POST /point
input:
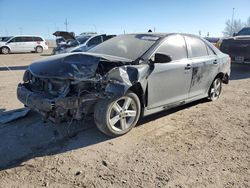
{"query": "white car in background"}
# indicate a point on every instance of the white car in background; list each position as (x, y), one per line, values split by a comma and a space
(23, 43)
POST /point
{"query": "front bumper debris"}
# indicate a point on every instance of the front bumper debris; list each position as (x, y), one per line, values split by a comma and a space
(56, 109)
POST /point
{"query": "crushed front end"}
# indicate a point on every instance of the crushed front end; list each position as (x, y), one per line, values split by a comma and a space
(65, 87)
(59, 100)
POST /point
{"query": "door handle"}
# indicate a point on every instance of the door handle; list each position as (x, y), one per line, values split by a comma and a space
(215, 62)
(188, 66)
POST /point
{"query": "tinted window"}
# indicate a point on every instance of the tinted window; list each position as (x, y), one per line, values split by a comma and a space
(95, 41)
(245, 31)
(18, 39)
(83, 39)
(198, 47)
(27, 39)
(37, 39)
(174, 46)
(106, 37)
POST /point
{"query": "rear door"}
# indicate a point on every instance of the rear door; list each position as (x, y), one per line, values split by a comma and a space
(28, 44)
(204, 66)
(170, 82)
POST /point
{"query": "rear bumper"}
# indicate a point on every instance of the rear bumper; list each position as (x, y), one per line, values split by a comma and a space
(236, 50)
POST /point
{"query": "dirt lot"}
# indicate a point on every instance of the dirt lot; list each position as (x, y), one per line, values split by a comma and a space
(204, 144)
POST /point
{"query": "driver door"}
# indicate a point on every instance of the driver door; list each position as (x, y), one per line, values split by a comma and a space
(169, 82)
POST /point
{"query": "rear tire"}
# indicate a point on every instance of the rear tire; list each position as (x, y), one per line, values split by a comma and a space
(115, 117)
(39, 49)
(5, 50)
(215, 89)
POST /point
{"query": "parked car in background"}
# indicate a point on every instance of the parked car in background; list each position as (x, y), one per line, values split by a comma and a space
(238, 46)
(23, 43)
(124, 78)
(212, 40)
(63, 37)
(91, 42)
(81, 43)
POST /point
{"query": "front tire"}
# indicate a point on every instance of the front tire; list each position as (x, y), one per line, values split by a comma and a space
(5, 50)
(215, 89)
(39, 49)
(116, 117)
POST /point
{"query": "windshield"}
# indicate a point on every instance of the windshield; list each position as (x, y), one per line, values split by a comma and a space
(5, 39)
(126, 46)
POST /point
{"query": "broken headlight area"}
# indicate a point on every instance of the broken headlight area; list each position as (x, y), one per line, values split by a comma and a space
(60, 100)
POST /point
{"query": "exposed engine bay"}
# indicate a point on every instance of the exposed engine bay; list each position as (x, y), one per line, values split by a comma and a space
(67, 87)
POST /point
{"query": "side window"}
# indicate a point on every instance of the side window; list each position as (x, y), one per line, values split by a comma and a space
(174, 46)
(37, 39)
(19, 39)
(198, 47)
(95, 41)
(27, 39)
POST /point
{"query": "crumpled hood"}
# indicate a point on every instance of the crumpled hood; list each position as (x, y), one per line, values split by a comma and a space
(76, 66)
(66, 66)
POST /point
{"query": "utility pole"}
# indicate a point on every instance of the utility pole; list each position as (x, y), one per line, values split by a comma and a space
(66, 24)
(20, 30)
(232, 23)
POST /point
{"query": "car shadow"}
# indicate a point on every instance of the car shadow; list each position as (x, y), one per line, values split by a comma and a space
(240, 71)
(30, 137)
(46, 54)
(13, 68)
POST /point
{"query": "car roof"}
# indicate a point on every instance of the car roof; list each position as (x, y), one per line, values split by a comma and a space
(27, 36)
(161, 35)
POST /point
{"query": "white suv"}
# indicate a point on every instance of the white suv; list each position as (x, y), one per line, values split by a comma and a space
(23, 44)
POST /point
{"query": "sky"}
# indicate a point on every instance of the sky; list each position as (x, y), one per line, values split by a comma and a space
(43, 17)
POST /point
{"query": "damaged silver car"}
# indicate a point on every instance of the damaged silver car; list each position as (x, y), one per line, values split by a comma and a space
(124, 78)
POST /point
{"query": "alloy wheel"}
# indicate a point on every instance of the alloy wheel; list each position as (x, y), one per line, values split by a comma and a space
(122, 113)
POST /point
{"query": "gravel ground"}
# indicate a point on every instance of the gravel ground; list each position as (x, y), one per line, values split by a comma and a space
(203, 144)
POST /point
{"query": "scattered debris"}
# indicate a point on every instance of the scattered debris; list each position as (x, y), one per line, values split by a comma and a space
(78, 173)
(104, 163)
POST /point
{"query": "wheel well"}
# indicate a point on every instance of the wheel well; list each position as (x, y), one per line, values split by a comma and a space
(39, 46)
(223, 77)
(5, 47)
(220, 75)
(137, 89)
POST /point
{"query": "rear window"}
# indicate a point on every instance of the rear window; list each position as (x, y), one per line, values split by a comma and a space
(245, 31)
(198, 47)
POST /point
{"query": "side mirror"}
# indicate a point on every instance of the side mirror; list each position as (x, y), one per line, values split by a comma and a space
(234, 34)
(162, 58)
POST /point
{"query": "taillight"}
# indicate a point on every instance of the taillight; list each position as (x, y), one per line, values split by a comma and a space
(46, 43)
